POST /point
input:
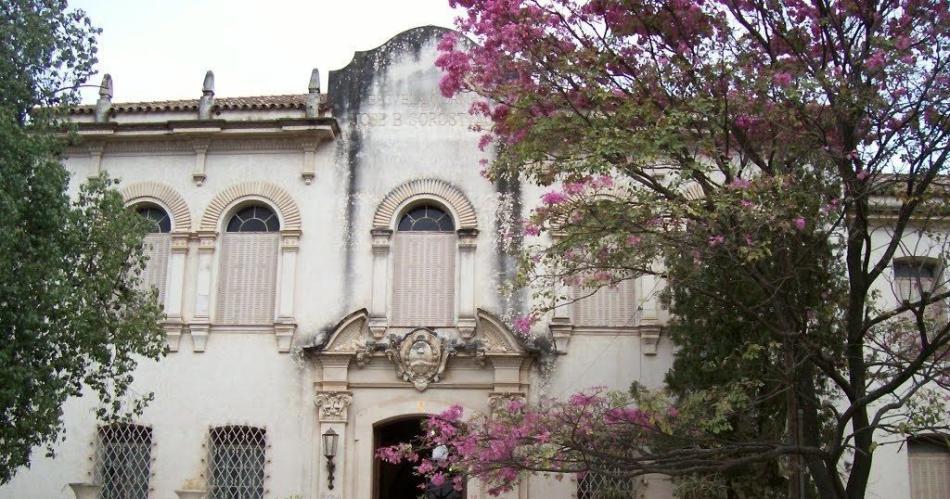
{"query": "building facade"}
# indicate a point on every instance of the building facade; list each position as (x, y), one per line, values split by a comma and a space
(330, 262)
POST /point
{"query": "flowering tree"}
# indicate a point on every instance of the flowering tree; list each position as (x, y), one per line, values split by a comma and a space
(769, 160)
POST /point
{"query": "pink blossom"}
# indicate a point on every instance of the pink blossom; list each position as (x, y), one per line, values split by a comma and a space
(554, 197)
(740, 183)
(746, 203)
(573, 188)
(602, 182)
(716, 240)
(453, 413)
(484, 141)
(876, 61)
(531, 229)
(523, 323)
(582, 399)
(633, 240)
(438, 479)
(782, 79)
(799, 223)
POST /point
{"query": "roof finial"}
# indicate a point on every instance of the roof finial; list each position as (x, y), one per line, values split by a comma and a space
(313, 97)
(104, 104)
(207, 97)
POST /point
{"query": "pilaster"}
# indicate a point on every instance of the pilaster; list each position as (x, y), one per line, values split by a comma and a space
(382, 240)
(466, 293)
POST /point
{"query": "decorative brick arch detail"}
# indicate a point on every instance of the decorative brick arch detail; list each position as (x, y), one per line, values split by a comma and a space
(286, 206)
(146, 191)
(426, 187)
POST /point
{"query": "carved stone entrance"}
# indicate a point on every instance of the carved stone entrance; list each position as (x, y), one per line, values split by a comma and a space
(395, 481)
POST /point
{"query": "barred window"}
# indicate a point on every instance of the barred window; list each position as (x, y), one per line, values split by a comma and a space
(424, 250)
(236, 462)
(596, 485)
(123, 461)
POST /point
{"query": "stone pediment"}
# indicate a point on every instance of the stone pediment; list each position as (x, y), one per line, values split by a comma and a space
(352, 337)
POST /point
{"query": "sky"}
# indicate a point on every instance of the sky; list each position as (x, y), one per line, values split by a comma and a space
(160, 49)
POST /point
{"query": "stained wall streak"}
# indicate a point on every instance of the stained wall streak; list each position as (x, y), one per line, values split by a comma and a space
(509, 190)
(348, 89)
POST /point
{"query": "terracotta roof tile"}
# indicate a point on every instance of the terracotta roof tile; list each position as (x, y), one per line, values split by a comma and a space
(293, 101)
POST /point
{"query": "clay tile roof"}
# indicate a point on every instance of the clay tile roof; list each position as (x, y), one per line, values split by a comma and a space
(294, 101)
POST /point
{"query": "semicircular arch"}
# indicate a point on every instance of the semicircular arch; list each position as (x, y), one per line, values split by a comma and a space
(431, 188)
(287, 208)
(154, 191)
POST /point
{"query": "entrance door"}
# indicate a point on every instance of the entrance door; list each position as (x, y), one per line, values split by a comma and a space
(396, 481)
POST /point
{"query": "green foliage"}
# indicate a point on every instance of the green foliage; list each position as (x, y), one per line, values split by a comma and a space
(73, 313)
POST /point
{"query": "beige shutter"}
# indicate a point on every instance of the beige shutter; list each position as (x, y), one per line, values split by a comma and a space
(929, 471)
(608, 307)
(157, 247)
(248, 277)
(423, 279)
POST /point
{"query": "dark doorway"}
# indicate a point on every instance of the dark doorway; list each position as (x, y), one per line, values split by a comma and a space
(397, 481)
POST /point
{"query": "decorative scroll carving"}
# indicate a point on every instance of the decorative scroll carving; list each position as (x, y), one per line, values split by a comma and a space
(333, 405)
(419, 357)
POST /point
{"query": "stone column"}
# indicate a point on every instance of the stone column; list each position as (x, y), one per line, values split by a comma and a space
(332, 411)
(174, 287)
(377, 311)
(466, 292)
(286, 323)
(204, 284)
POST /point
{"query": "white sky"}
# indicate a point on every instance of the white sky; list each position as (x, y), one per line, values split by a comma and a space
(160, 49)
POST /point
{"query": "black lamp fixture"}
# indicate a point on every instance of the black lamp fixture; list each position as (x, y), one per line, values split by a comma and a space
(330, 440)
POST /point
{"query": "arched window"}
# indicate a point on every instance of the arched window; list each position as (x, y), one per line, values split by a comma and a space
(426, 218)
(424, 249)
(123, 461)
(157, 247)
(254, 219)
(248, 269)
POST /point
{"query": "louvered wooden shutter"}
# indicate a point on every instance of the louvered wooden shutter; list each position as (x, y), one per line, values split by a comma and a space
(929, 471)
(423, 279)
(248, 277)
(157, 247)
(608, 307)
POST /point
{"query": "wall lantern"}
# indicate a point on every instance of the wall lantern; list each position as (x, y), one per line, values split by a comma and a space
(330, 440)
